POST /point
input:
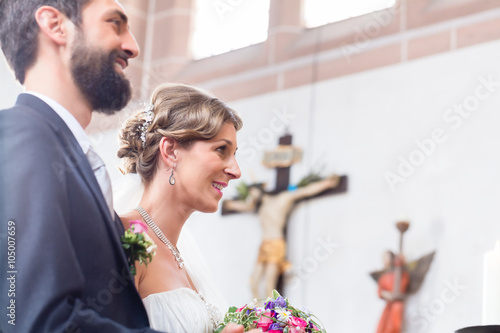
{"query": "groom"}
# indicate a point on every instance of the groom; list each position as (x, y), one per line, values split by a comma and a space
(62, 264)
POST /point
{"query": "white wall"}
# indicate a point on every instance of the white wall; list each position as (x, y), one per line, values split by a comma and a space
(360, 126)
(9, 88)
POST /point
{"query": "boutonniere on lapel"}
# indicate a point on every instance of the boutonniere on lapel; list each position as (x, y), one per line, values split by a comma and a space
(138, 245)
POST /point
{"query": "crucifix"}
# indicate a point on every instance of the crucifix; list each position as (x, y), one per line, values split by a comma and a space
(273, 209)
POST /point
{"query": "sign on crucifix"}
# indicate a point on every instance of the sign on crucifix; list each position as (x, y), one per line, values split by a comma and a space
(273, 209)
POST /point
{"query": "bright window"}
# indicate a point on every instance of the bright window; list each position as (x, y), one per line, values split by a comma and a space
(320, 12)
(225, 25)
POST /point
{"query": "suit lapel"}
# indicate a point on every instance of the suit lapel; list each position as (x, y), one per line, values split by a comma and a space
(76, 160)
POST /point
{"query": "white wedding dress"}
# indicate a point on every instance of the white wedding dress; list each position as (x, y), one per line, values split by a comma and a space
(180, 310)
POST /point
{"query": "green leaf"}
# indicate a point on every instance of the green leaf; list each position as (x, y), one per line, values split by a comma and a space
(242, 190)
(276, 294)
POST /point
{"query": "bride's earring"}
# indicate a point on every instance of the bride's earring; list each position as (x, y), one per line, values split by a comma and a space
(171, 180)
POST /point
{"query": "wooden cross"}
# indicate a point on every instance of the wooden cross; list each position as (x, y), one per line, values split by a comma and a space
(277, 205)
(283, 164)
(283, 172)
(283, 182)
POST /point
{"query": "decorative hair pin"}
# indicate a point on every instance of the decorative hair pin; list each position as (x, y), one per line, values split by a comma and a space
(148, 119)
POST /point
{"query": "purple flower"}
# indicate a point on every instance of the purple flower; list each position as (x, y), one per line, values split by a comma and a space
(276, 327)
(270, 305)
(280, 302)
(249, 311)
(310, 327)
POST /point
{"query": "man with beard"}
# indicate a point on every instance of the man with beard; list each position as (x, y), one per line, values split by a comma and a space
(63, 266)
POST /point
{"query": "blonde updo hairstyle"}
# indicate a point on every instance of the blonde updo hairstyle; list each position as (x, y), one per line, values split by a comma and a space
(181, 112)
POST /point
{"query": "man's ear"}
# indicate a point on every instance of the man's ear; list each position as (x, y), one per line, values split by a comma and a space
(53, 24)
(169, 151)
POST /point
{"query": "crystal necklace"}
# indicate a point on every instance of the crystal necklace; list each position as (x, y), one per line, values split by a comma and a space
(149, 221)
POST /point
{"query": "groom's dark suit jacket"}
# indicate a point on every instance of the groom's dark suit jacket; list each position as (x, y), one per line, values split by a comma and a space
(63, 268)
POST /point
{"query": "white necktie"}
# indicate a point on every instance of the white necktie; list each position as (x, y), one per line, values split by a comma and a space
(103, 179)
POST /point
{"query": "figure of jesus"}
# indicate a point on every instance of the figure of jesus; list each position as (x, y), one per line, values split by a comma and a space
(273, 211)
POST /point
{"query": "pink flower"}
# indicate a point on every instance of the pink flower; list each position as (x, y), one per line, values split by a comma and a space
(298, 325)
(274, 331)
(139, 226)
(299, 322)
(265, 321)
(241, 309)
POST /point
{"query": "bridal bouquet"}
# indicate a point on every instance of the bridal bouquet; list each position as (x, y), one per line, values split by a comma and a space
(138, 245)
(277, 316)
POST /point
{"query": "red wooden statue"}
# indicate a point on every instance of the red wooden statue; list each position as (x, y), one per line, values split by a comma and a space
(396, 281)
(392, 317)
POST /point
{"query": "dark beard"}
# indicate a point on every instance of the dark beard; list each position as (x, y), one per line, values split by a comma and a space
(94, 73)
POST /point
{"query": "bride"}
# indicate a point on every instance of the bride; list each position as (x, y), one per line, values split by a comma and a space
(183, 148)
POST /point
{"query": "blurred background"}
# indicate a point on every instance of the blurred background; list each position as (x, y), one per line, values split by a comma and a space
(400, 96)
